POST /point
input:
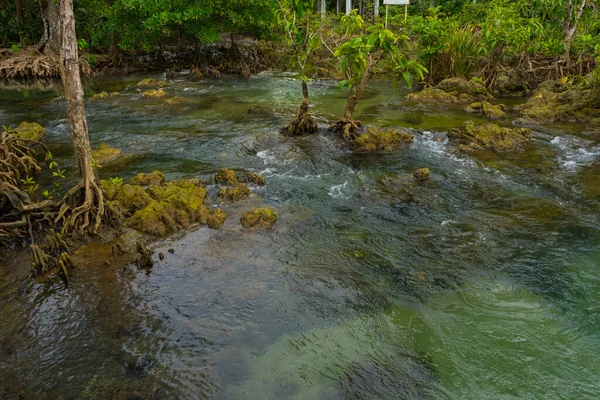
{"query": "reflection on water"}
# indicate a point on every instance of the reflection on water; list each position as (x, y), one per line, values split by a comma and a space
(483, 284)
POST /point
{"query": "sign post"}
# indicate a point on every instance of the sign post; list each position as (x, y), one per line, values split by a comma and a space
(395, 2)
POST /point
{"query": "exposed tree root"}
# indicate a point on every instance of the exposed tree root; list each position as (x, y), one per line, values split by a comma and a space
(347, 129)
(302, 124)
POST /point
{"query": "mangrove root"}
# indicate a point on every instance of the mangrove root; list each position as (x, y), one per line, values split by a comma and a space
(347, 129)
(302, 124)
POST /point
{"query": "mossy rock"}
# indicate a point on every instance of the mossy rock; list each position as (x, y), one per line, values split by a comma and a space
(376, 139)
(215, 219)
(422, 174)
(489, 110)
(174, 206)
(105, 153)
(152, 82)
(237, 193)
(432, 95)
(511, 83)
(177, 101)
(130, 198)
(452, 90)
(30, 131)
(115, 94)
(231, 177)
(561, 101)
(100, 96)
(153, 94)
(259, 218)
(154, 178)
(226, 177)
(472, 138)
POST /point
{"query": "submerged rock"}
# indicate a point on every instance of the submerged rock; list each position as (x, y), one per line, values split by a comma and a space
(177, 101)
(100, 96)
(376, 139)
(259, 218)
(489, 110)
(105, 153)
(452, 90)
(472, 138)
(154, 178)
(152, 82)
(558, 101)
(237, 193)
(422, 174)
(30, 131)
(152, 94)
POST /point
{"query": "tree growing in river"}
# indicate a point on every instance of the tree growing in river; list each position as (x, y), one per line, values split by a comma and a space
(304, 40)
(84, 204)
(364, 56)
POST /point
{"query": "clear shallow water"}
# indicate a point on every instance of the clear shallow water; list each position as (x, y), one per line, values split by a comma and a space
(484, 284)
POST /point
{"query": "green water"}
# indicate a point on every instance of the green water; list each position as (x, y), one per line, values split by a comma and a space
(484, 284)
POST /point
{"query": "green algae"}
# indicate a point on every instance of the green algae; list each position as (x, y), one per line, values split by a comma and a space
(226, 177)
(473, 138)
(259, 218)
(177, 101)
(376, 139)
(130, 198)
(152, 82)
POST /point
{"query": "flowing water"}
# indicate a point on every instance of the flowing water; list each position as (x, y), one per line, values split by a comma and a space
(483, 284)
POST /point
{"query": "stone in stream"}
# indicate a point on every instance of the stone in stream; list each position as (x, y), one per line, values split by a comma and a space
(232, 178)
(236, 193)
(489, 110)
(152, 94)
(152, 82)
(473, 138)
(154, 178)
(30, 131)
(105, 153)
(422, 174)
(177, 101)
(100, 96)
(376, 139)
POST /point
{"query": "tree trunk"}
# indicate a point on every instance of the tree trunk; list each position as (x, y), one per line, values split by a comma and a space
(303, 123)
(570, 25)
(69, 68)
(50, 41)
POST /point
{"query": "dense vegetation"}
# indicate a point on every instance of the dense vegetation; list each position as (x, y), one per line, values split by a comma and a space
(454, 38)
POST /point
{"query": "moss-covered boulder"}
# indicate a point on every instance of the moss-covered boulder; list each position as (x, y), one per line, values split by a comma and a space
(376, 139)
(105, 153)
(489, 110)
(562, 101)
(236, 193)
(214, 219)
(129, 198)
(174, 206)
(472, 138)
(115, 94)
(154, 178)
(432, 95)
(100, 96)
(259, 218)
(226, 177)
(231, 177)
(153, 94)
(422, 174)
(452, 90)
(30, 131)
(152, 82)
(177, 101)
(511, 83)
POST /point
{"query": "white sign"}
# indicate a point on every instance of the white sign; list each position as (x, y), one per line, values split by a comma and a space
(401, 2)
